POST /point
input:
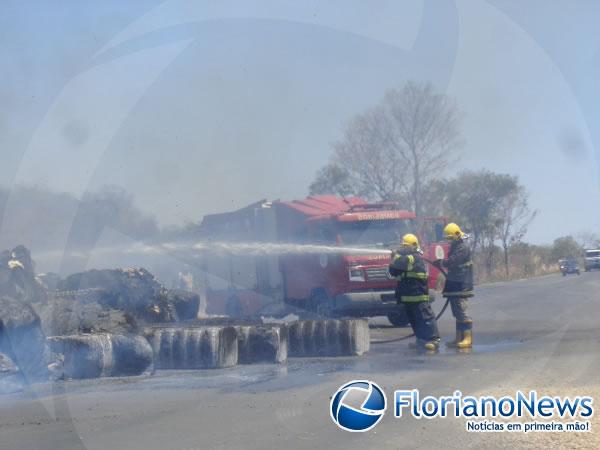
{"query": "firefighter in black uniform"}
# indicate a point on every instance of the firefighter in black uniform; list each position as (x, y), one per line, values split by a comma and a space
(459, 284)
(408, 267)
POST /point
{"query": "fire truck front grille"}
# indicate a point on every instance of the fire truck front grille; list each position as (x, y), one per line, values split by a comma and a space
(377, 274)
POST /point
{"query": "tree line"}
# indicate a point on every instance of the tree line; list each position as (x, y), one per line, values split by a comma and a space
(40, 218)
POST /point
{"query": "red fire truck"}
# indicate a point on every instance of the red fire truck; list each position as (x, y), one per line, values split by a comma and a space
(327, 282)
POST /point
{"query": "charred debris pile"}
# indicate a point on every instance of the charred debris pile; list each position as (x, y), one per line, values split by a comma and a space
(123, 322)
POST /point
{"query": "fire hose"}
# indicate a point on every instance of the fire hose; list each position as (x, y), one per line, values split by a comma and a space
(386, 341)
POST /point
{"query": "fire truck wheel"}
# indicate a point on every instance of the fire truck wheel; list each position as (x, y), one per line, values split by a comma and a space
(398, 319)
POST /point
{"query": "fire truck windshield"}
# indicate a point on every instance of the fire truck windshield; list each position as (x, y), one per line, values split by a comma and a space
(374, 232)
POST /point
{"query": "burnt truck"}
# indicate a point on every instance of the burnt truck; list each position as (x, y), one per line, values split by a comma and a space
(301, 265)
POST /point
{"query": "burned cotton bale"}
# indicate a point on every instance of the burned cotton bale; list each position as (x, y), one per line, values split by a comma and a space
(103, 355)
(134, 291)
(186, 303)
(67, 314)
(193, 347)
(347, 337)
(262, 343)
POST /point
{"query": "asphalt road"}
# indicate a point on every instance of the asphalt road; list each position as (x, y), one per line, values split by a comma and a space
(541, 333)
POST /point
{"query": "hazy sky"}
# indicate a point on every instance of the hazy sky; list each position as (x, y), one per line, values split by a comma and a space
(205, 106)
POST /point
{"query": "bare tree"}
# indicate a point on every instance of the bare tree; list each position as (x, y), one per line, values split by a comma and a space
(588, 239)
(514, 218)
(367, 154)
(425, 133)
(397, 148)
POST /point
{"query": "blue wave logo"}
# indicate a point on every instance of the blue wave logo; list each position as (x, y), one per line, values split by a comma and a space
(358, 406)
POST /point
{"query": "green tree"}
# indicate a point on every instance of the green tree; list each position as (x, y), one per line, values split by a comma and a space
(492, 207)
(566, 247)
(333, 179)
(472, 198)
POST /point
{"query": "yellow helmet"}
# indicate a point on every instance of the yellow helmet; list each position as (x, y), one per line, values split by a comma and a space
(452, 232)
(410, 240)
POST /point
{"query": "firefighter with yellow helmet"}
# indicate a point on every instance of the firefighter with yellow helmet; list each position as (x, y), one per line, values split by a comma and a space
(412, 291)
(459, 284)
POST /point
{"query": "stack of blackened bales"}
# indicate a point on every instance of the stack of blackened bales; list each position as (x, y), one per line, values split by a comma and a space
(92, 319)
(197, 346)
(95, 320)
(123, 322)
